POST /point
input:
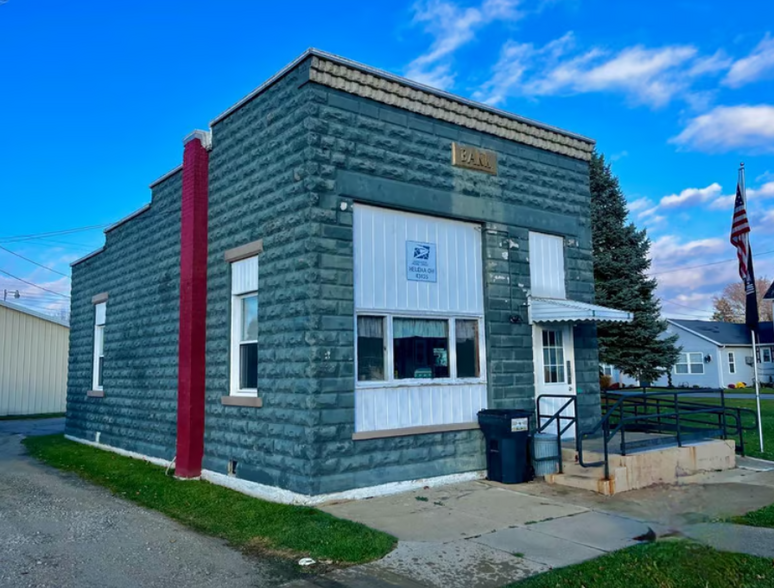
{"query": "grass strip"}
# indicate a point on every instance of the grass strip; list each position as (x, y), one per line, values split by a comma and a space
(667, 564)
(245, 522)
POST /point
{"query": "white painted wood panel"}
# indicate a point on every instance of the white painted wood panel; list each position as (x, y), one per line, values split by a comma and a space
(378, 409)
(381, 281)
(33, 364)
(546, 265)
(244, 275)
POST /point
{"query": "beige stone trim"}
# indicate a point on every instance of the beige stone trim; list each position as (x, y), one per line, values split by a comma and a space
(95, 394)
(414, 431)
(392, 93)
(244, 251)
(99, 298)
(252, 401)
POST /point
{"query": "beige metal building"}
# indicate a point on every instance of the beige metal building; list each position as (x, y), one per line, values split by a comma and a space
(33, 361)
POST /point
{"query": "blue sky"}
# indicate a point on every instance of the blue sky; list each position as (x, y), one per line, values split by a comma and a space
(97, 97)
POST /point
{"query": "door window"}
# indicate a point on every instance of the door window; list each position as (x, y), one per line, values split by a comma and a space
(553, 357)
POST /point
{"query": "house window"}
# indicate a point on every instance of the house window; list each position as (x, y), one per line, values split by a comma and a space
(99, 344)
(553, 357)
(766, 354)
(731, 363)
(606, 369)
(244, 326)
(445, 349)
(690, 363)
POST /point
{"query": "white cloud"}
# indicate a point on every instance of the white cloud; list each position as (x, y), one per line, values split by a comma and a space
(452, 26)
(726, 202)
(691, 196)
(650, 76)
(759, 64)
(725, 128)
(639, 204)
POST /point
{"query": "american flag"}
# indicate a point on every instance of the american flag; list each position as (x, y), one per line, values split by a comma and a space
(740, 235)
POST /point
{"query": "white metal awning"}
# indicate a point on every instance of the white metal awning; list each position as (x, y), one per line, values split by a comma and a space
(548, 310)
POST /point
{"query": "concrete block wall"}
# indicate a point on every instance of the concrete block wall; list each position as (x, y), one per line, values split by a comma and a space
(367, 152)
(262, 186)
(140, 271)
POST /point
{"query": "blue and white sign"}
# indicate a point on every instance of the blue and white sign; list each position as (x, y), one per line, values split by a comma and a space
(420, 262)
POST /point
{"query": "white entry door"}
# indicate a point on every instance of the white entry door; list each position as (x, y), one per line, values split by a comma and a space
(554, 356)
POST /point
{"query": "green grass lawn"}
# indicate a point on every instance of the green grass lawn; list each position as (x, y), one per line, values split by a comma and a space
(751, 438)
(22, 417)
(667, 564)
(245, 522)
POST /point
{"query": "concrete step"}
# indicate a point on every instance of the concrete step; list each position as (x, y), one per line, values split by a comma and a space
(592, 479)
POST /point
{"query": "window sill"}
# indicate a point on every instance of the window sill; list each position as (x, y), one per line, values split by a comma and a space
(250, 401)
(414, 431)
(95, 394)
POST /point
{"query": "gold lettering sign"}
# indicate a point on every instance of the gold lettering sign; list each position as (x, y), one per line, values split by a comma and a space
(473, 158)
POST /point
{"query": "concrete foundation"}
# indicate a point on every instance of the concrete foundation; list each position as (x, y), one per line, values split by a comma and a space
(664, 465)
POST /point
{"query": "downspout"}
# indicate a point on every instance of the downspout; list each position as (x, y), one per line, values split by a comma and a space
(719, 353)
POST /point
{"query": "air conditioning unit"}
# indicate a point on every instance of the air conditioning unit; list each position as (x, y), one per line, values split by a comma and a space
(748, 360)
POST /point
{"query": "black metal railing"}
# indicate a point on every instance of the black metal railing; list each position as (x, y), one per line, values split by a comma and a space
(669, 417)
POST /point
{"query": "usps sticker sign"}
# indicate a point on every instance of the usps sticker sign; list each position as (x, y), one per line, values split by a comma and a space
(420, 262)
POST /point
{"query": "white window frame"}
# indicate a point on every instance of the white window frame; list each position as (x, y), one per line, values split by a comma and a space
(685, 359)
(391, 381)
(764, 352)
(731, 362)
(606, 369)
(237, 295)
(100, 317)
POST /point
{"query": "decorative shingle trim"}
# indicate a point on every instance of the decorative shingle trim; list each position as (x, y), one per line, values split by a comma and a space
(252, 401)
(99, 298)
(244, 251)
(95, 394)
(414, 431)
(366, 85)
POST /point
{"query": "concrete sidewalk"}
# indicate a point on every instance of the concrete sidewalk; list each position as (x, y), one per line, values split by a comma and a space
(482, 535)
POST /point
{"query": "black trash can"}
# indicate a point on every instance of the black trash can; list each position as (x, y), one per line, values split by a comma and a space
(506, 433)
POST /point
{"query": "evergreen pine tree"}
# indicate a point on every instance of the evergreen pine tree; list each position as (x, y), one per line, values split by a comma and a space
(639, 348)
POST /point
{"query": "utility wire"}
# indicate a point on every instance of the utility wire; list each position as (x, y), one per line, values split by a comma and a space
(32, 284)
(32, 261)
(687, 267)
(13, 238)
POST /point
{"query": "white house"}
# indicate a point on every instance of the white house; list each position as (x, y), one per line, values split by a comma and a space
(33, 361)
(714, 354)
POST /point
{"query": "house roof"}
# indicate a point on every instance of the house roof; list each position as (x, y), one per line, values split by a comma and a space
(769, 295)
(722, 333)
(35, 313)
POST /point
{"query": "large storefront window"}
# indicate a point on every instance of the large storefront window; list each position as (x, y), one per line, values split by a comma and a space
(422, 349)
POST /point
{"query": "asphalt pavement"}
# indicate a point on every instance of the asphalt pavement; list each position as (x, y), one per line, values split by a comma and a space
(58, 531)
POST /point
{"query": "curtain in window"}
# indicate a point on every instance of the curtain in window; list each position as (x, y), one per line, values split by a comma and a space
(466, 329)
(407, 328)
(371, 327)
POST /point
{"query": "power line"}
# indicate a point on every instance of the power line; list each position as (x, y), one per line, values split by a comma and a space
(14, 238)
(32, 284)
(681, 268)
(670, 301)
(33, 261)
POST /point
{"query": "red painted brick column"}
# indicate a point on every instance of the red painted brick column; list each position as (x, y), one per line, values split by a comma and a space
(193, 308)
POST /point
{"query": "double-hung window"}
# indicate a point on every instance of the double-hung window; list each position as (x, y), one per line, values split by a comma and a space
(766, 354)
(99, 344)
(244, 327)
(731, 362)
(690, 363)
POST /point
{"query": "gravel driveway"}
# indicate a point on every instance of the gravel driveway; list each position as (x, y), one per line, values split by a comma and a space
(58, 531)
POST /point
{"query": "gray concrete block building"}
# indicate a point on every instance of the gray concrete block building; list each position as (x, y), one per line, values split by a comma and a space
(379, 261)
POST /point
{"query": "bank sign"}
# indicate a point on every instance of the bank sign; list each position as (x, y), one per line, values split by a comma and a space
(420, 262)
